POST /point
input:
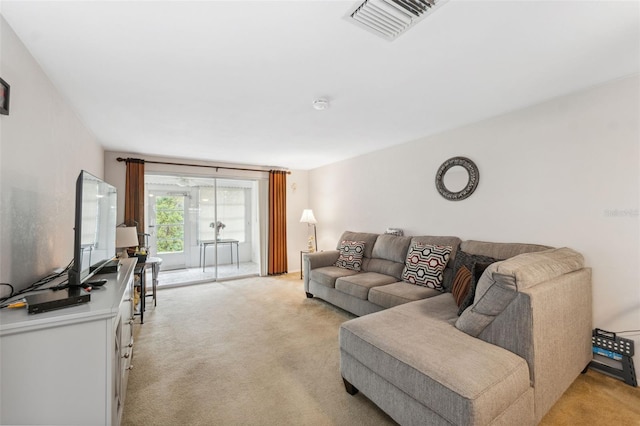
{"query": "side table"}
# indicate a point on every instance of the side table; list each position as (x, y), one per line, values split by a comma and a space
(155, 263)
(206, 243)
(140, 270)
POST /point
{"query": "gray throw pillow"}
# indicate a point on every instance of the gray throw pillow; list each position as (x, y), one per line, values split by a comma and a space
(468, 261)
(476, 272)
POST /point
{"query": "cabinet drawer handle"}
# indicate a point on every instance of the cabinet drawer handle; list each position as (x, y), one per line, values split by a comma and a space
(127, 355)
(129, 367)
(131, 321)
(130, 343)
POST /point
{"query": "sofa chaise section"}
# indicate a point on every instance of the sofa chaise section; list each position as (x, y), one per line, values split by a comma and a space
(447, 376)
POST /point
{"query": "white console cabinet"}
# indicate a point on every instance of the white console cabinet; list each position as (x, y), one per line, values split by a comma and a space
(69, 366)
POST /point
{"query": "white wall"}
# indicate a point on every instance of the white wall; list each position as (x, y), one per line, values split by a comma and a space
(44, 145)
(562, 173)
(297, 201)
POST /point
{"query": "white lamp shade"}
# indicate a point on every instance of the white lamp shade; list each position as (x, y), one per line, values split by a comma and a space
(126, 237)
(308, 217)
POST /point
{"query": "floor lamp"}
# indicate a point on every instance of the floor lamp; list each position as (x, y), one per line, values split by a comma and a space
(309, 219)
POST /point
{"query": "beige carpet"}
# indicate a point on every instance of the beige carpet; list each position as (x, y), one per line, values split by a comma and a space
(256, 351)
(596, 399)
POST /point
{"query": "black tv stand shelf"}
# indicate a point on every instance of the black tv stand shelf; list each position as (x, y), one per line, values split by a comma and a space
(109, 267)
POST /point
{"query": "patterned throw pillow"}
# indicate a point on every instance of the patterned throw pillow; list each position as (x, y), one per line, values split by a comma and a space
(351, 255)
(425, 265)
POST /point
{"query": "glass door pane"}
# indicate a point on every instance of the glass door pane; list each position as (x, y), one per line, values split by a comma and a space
(226, 227)
(168, 220)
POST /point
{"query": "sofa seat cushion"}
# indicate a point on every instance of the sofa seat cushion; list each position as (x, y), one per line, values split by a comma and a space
(327, 275)
(359, 285)
(395, 294)
(416, 348)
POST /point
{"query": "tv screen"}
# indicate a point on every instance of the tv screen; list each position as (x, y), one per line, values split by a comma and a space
(95, 227)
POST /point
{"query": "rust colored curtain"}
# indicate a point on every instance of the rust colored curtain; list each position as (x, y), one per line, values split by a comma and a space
(277, 222)
(134, 196)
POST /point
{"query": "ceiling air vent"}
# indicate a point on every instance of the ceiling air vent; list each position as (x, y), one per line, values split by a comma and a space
(390, 18)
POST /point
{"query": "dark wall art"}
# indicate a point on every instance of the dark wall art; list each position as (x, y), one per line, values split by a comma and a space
(4, 97)
(472, 179)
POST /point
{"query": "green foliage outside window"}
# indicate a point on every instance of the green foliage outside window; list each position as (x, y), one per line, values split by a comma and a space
(170, 224)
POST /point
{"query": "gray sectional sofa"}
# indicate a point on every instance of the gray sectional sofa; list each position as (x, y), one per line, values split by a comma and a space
(506, 359)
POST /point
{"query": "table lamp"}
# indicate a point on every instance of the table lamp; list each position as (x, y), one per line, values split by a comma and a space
(126, 237)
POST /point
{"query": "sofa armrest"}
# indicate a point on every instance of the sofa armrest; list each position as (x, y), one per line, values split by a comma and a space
(317, 260)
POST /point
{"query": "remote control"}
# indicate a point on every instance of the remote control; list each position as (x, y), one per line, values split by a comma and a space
(97, 283)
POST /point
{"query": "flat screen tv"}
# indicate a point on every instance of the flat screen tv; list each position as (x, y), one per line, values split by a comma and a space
(95, 227)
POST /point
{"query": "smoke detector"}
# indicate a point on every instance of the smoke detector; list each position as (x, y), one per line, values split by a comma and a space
(320, 104)
(391, 18)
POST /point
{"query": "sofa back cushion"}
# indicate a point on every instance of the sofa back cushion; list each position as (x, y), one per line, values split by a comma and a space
(368, 238)
(499, 251)
(533, 268)
(388, 254)
(391, 247)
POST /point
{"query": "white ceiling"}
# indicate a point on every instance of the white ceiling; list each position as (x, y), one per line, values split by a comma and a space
(234, 81)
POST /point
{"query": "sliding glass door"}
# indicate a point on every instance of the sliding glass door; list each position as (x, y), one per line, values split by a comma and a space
(208, 227)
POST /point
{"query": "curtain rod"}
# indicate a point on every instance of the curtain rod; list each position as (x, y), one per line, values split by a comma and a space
(120, 159)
